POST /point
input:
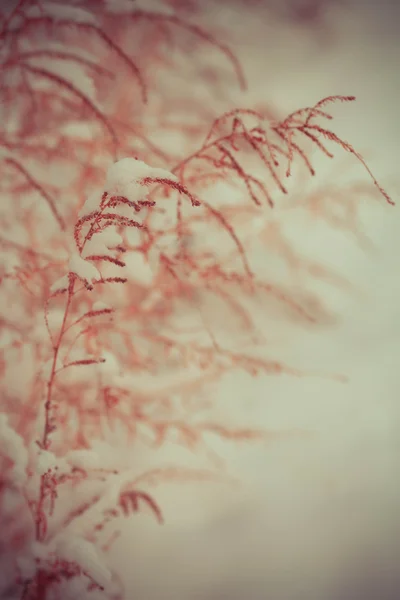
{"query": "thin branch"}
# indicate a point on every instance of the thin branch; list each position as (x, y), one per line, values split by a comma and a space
(17, 165)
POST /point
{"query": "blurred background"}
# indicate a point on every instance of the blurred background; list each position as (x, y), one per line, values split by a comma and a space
(314, 518)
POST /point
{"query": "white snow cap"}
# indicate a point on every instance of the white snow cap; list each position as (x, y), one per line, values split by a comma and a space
(13, 447)
(92, 203)
(102, 242)
(82, 268)
(124, 177)
(85, 554)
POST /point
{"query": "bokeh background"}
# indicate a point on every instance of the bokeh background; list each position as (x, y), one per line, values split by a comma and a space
(314, 518)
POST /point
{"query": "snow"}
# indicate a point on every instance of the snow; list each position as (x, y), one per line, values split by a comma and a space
(83, 459)
(101, 306)
(101, 243)
(13, 447)
(139, 269)
(77, 130)
(84, 553)
(61, 284)
(124, 178)
(110, 368)
(82, 268)
(45, 461)
(26, 566)
(91, 204)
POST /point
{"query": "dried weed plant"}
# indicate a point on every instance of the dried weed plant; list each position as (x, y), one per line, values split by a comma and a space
(125, 300)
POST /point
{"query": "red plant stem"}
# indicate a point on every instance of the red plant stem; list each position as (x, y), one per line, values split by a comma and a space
(40, 533)
(48, 427)
(39, 188)
(40, 517)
